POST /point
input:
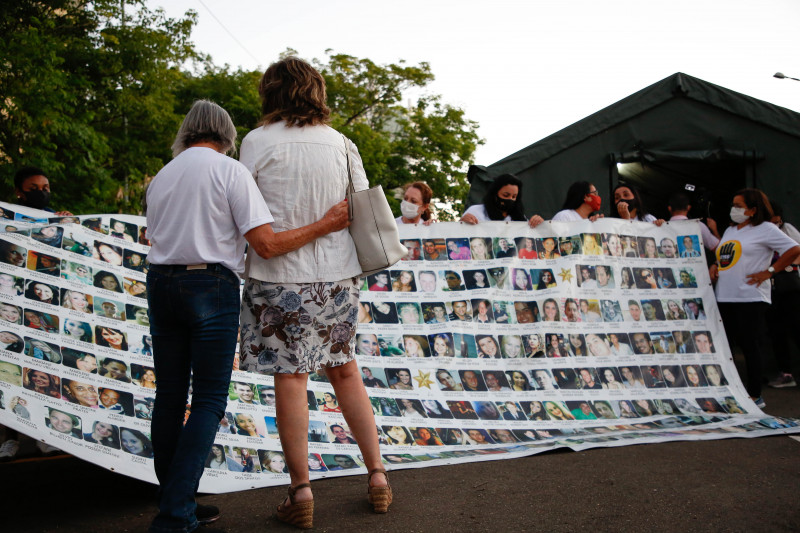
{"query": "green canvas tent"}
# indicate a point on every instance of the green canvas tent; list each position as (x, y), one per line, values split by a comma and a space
(679, 133)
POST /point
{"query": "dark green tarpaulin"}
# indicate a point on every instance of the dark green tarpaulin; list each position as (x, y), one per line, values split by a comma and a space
(680, 130)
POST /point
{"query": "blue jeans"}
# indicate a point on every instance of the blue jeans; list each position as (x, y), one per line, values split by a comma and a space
(194, 320)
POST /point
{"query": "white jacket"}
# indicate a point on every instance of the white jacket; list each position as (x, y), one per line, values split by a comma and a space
(302, 172)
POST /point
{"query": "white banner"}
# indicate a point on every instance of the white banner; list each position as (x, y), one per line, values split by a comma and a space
(491, 341)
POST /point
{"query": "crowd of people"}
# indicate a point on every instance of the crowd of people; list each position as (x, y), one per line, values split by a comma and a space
(285, 199)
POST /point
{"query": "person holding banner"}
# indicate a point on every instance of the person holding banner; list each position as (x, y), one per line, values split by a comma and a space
(502, 201)
(742, 272)
(302, 166)
(202, 209)
(582, 200)
(628, 205)
(416, 204)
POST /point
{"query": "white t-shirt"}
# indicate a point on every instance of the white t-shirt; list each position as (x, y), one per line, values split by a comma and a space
(747, 251)
(567, 215)
(479, 210)
(199, 206)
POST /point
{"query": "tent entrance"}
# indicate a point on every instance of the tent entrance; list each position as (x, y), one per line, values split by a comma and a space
(710, 177)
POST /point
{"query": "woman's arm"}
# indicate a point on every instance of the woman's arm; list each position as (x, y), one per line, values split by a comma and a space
(786, 259)
(267, 243)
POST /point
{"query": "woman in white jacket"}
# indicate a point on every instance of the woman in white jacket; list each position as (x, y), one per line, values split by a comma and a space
(299, 310)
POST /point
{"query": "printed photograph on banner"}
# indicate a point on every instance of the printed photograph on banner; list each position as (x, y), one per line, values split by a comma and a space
(434, 250)
(458, 249)
(481, 248)
(416, 346)
(373, 377)
(498, 277)
(403, 281)
(134, 260)
(694, 309)
(464, 345)
(459, 310)
(384, 312)
(451, 280)
(689, 246)
(76, 242)
(123, 230)
(504, 247)
(441, 345)
(399, 378)
(534, 345)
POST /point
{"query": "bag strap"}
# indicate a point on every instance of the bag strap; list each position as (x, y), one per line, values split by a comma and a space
(350, 188)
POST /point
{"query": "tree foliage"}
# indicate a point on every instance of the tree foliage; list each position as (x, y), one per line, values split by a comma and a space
(427, 141)
(87, 95)
(94, 91)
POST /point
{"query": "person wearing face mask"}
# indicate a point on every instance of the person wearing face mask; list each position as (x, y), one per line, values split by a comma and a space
(415, 207)
(679, 207)
(503, 201)
(784, 315)
(33, 190)
(743, 273)
(628, 206)
(582, 200)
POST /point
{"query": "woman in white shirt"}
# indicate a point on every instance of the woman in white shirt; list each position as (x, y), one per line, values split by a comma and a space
(628, 206)
(299, 311)
(582, 200)
(503, 201)
(416, 204)
(743, 271)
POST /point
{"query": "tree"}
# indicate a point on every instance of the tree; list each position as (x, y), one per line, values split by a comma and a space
(429, 141)
(87, 94)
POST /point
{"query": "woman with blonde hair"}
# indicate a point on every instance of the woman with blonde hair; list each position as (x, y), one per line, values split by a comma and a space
(303, 167)
(480, 250)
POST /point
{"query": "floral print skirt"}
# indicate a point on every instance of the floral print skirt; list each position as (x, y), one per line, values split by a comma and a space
(297, 327)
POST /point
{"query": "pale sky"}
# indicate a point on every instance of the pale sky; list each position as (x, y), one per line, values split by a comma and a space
(523, 69)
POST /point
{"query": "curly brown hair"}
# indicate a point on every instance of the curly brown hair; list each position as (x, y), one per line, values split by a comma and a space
(293, 91)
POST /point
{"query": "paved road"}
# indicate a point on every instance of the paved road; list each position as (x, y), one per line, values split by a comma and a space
(725, 485)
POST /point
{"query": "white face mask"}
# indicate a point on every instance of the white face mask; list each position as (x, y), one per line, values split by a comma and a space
(738, 216)
(409, 210)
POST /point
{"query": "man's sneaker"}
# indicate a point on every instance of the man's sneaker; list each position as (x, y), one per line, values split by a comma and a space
(783, 381)
(760, 403)
(9, 450)
(47, 450)
(206, 514)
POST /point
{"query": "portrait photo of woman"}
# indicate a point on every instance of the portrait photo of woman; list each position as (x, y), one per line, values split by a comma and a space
(108, 253)
(481, 248)
(476, 279)
(41, 292)
(41, 382)
(135, 442)
(442, 345)
(77, 330)
(103, 433)
(85, 362)
(44, 351)
(403, 281)
(76, 301)
(108, 281)
(110, 338)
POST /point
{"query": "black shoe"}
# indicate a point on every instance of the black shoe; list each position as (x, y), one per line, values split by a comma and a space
(206, 514)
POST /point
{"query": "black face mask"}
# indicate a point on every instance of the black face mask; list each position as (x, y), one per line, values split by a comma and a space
(632, 204)
(37, 199)
(505, 205)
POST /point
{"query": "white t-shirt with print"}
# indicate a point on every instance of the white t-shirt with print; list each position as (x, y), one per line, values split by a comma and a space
(747, 251)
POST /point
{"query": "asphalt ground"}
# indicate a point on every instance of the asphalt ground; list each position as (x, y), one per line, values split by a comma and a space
(736, 484)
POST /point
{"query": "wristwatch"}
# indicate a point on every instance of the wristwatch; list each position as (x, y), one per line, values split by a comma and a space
(771, 270)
